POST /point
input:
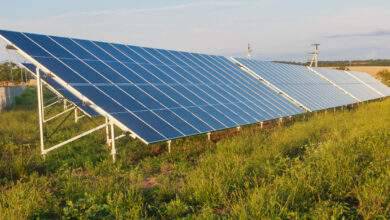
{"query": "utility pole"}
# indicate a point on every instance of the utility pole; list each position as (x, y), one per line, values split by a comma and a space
(249, 51)
(315, 54)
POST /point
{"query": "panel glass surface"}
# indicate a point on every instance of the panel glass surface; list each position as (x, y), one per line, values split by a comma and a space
(374, 83)
(61, 90)
(299, 83)
(349, 83)
(157, 94)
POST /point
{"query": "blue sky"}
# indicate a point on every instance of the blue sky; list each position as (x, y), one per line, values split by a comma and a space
(277, 29)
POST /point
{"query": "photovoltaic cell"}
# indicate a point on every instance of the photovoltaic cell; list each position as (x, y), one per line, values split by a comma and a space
(157, 94)
(349, 83)
(372, 82)
(61, 90)
(299, 83)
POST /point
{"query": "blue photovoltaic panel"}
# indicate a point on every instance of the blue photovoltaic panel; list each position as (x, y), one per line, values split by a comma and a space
(371, 81)
(299, 83)
(349, 83)
(157, 94)
(65, 93)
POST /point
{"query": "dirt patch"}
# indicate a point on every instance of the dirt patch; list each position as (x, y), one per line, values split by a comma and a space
(149, 182)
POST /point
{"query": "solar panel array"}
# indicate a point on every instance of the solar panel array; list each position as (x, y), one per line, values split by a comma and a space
(162, 95)
(372, 82)
(349, 83)
(61, 90)
(300, 83)
(157, 94)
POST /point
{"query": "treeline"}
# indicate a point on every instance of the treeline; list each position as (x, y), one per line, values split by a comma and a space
(381, 62)
(12, 73)
(345, 63)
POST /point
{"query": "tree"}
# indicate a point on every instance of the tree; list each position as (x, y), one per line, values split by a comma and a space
(10, 72)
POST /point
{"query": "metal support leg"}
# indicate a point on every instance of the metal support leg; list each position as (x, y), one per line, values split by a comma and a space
(113, 149)
(65, 105)
(76, 115)
(261, 125)
(280, 121)
(209, 136)
(108, 141)
(169, 146)
(42, 101)
(40, 110)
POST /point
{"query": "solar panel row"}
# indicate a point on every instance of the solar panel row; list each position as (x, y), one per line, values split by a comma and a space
(372, 83)
(349, 83)
(163, 95)
(157, 94)
(301, 83)
(60, 89)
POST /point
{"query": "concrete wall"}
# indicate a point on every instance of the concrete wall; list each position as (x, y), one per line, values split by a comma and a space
(8, 94)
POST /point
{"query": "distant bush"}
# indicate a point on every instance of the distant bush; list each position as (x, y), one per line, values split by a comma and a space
(384, 75)
(27, 99)
(342, 68)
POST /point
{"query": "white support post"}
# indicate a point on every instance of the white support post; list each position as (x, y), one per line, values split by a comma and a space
(120, 136)
(58, 115)
(50, 105)
(65, 105)
(108, 141)
(169, 146)
(42, 100)
(40, 110)
(238, 128)
(280, 121)
(113, 149)
(76, 115)
(209, 136)
(261, 125)
(74, 138)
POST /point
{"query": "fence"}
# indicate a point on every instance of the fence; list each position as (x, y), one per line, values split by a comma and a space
(8, 94)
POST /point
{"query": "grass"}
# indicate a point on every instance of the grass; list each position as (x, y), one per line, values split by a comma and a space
(325, 166)
(384, 75)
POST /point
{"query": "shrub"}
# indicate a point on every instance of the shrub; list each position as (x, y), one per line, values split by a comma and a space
(384, 75)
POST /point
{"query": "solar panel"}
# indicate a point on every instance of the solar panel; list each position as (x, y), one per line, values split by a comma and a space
(61, 90)
(299, 83)
(372, 82)
(156, 94)
(349, 83)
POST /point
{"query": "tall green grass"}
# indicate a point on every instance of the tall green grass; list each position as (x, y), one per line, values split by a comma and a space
(327, 166)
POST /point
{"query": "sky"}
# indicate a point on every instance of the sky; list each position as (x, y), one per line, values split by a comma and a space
(276, 29)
